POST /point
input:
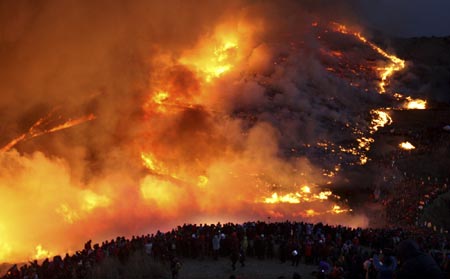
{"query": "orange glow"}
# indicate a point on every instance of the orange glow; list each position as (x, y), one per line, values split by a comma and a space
(288, 198)
(338, 210)
(386, 72)
(380, 119)
(202, 181)
(407, 145)
(304, 196)
(306, 189)
(311, 212)
(415, 103)
(38, 129)
(92, 200)
(41, 253)
(185, 154)
(214, 56)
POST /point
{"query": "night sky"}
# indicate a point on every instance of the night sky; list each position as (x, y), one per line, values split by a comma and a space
(407, 18)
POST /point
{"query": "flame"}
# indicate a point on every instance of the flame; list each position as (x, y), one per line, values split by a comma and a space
(386, 72)
(151, 163)
(306, 189)
(380, 119)
(407, 145)
(41, 253)
(5, 248)
(184, 174)
(214, 56)
(415, 103)
(311, 212)
(338, 210)
(69, 215)
(92, 200)
(37, 130)
(304, 196)
(202, 181)
(287, 198)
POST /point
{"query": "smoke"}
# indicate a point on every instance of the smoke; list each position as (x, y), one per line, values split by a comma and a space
(243, 94)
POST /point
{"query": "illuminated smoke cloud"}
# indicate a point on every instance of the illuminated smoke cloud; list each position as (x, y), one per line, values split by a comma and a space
(199, 113)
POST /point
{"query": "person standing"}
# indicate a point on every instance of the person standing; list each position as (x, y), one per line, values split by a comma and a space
(216, 246)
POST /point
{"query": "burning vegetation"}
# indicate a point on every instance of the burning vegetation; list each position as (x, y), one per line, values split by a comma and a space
(244, 115)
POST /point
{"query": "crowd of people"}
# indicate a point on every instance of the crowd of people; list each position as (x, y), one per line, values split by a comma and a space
(405, 249)
(337, 251)
(408, 191)
(410, 197)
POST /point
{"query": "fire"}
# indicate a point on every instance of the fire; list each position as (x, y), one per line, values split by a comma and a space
(415, 103)
(306, 189)
(213, 57)
(151, 163)
(338, 210)
(407, 145)
(92, 200)
(304, 196)
(41, 253)
(39, 129)
(160, 97)
(386, 72)
(311, 212)
(202, 181)
(198, 162)
(380, 119)
(287, 198)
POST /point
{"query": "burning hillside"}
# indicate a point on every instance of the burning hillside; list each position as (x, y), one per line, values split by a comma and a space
(132, 122)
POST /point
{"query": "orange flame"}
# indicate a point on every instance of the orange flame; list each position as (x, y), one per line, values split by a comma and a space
(213, 62)
(407, 145)
(386, 72)
(380, 119)
(415, 103)
(36, 130)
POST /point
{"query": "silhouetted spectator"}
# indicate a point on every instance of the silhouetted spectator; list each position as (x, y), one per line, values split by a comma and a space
(415, 263)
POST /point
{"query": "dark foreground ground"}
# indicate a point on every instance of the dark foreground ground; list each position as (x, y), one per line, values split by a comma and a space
(254, 269)
(144, 267)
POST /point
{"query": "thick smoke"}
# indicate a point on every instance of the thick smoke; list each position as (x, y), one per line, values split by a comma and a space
(219, 146)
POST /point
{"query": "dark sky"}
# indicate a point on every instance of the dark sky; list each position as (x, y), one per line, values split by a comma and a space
(408, 18)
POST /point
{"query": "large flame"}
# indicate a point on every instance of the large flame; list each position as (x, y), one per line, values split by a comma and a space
(218, 124)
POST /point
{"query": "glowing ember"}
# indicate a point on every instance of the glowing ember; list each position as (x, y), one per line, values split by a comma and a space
(407, 145)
